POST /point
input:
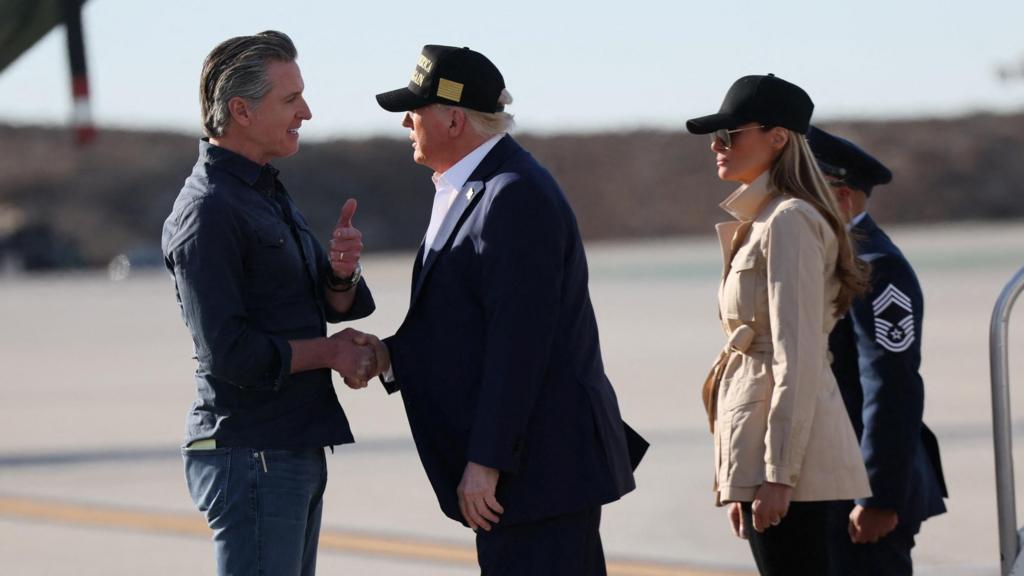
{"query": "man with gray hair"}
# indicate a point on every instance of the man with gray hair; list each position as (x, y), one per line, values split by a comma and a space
(498, 358)
(256, 290)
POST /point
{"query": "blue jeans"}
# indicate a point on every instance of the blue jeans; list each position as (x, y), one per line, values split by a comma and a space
(264, 507)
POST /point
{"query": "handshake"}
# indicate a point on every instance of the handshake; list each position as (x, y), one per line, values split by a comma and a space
(358, 357)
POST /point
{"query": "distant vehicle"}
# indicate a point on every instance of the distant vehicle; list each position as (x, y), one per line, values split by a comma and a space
(37, 247)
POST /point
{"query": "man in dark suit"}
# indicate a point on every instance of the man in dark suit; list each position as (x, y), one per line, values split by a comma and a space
(877, 354)
(498, 358)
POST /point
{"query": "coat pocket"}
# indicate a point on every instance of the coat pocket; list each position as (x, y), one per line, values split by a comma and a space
(747, 430)
(749, 382)
(741, 286)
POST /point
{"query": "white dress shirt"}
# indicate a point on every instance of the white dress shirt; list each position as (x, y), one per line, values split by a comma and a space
(448, 185)
(856, 220)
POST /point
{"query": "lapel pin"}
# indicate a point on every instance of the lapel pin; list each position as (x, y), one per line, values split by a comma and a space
(469, 193)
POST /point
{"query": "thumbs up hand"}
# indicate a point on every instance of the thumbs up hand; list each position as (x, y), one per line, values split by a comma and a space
(346, 246)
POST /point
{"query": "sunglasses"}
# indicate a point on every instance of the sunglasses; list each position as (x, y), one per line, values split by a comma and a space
(724, 135)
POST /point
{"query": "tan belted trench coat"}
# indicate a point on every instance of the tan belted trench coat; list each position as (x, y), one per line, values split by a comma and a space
(773, 404)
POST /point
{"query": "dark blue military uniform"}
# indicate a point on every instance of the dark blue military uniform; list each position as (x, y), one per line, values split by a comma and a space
(876, 349)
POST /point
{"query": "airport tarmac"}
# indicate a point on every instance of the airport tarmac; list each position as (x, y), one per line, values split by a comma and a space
(95, 381)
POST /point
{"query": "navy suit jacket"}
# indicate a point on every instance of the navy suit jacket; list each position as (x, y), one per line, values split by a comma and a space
(877, 353)
(498, 358)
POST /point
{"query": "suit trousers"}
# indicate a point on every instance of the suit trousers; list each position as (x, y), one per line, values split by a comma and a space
(890, 556)
(559, 546)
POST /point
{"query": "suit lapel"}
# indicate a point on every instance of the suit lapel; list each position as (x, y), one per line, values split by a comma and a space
(468, 197)
(417, 267)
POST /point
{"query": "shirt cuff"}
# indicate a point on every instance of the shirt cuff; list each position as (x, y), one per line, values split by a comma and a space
(387, 378)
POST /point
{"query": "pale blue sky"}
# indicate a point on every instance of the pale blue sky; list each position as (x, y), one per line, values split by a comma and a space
(571, 66)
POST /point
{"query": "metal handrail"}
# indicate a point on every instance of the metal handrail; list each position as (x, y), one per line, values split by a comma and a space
(1002, 427)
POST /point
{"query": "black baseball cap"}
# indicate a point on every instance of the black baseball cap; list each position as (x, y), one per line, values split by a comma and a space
(844, 160)
(449, 75)
(769, 100)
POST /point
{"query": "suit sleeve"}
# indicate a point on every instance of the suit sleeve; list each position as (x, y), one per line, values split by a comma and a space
(796, 306)
(887, 324)
(522, 250)
(206, 254)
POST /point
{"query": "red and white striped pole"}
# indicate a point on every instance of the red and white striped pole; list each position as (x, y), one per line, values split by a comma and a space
(81, 115)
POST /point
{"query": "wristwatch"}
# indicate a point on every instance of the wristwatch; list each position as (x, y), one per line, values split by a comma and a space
(336, 284)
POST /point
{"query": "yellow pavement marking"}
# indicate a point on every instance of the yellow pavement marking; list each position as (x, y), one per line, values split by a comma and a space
(338, 541)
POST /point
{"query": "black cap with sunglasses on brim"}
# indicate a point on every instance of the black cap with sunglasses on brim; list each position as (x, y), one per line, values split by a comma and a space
(768, 100)
(449, 75)
(846, 162)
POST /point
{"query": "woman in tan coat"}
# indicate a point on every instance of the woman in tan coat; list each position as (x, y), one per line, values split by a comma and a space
(784, 445)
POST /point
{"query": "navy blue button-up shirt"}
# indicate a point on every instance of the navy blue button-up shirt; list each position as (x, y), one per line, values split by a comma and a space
(250, 276)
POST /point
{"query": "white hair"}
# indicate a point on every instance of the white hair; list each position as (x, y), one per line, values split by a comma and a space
(488, 124)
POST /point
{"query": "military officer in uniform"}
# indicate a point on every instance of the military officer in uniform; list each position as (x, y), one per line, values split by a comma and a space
(877, 353)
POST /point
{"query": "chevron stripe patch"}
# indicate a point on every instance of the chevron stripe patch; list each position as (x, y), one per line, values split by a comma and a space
(898, 335)
(892, 295)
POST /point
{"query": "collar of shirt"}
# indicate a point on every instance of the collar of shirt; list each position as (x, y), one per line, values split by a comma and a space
(455, 177)
(448, 185)
(262, 178)
(856, 220)
(746, 202)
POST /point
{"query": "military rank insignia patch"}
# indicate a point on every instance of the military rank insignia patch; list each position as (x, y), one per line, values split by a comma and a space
(894, 320)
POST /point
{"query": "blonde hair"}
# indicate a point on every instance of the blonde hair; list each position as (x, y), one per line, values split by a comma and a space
(796, 172)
